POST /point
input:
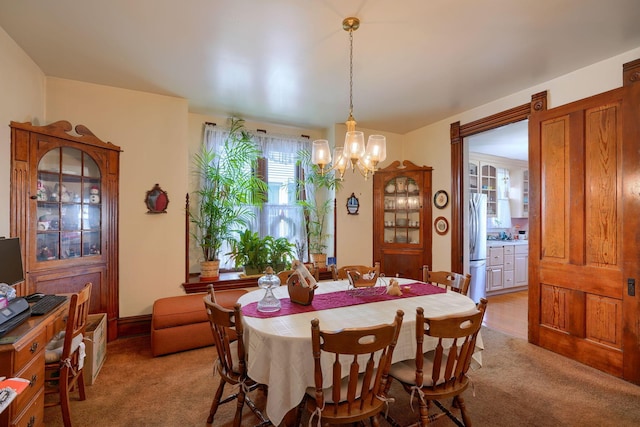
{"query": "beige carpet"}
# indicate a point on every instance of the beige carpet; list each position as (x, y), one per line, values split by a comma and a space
(519, 385)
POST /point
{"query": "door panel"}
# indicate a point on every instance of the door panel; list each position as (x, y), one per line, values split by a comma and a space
(578, 284)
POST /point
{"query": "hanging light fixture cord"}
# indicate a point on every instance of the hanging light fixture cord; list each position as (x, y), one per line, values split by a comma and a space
(350, 72)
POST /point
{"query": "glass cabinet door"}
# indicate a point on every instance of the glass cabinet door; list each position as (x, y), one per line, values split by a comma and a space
(69, 206)
(402, 206)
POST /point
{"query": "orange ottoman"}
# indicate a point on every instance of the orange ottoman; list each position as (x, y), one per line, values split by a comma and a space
(180, 323)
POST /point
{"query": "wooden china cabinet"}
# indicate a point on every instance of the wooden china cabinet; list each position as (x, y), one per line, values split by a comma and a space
(402, 219)
(64, 208)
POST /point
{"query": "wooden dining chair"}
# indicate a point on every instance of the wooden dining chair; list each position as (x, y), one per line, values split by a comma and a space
(441, 373)
(64, 356)
(445, 279)
(359, 395)
(341, 273)
(226, 326)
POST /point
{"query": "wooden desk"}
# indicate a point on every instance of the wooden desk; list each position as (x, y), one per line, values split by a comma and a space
(22, 355)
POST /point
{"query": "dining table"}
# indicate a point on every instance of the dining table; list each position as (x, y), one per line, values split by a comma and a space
(278, 343)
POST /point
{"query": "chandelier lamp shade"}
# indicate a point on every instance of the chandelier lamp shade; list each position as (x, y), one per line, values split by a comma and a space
(354, 154)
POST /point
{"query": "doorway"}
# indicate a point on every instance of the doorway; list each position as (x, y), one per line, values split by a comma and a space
(498, 178)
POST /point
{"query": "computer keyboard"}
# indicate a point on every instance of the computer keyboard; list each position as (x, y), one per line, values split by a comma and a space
(46, 304)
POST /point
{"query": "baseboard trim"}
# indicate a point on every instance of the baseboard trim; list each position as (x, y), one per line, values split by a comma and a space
(134, 325)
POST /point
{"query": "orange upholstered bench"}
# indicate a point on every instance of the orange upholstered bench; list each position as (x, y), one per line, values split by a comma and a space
(180, 323)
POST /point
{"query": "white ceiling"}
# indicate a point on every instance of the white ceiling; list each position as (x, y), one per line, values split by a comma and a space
(286, 61)
(510, 141)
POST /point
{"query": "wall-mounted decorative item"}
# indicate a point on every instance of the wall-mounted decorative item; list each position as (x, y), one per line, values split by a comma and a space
(442, 225)
(353, 204)
(441, 199)
(156, 200)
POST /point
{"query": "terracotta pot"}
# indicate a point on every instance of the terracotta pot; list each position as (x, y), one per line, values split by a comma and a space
(210, 270)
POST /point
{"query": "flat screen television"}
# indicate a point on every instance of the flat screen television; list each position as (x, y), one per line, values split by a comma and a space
(11, 270)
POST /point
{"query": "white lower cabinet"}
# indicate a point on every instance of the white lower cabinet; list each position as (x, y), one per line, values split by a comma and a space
(507, 266)
(522, 265)
(495, 268)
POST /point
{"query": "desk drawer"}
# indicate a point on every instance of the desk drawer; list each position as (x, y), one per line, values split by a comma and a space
(27, 351)
(33, 415)
(34, 372)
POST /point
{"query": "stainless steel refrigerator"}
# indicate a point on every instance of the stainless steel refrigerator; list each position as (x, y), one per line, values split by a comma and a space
(477, 245)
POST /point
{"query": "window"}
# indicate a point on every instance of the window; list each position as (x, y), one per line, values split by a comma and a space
(280, 216)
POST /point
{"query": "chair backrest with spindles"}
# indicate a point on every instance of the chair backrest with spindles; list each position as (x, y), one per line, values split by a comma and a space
(367, 377)
(455, 281)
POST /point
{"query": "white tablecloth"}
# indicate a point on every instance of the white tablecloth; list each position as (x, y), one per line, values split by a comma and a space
(279, 348)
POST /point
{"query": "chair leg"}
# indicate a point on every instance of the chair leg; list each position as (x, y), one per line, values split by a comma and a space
(63, 387)
(300, 410)
(237, 420)
(80, 384)
(216, 401)
(459, 403)
(424, 412)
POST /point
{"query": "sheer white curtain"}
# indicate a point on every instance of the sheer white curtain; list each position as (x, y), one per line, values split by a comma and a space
(280, 216)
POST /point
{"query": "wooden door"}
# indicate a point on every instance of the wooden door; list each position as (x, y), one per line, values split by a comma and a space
(585, 204)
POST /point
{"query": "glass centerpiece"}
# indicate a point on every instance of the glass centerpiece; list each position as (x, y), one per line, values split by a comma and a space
(269, 303)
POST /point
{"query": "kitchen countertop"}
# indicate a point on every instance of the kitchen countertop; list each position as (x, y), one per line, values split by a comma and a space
(496, 243)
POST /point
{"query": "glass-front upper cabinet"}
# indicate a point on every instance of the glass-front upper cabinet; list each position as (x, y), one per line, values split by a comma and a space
(68, 205)
(402, 205)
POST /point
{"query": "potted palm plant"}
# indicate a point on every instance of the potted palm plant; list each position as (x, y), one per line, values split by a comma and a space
(254, 253)
(281, 253)
(228, 191)
(317, 205)
(251, 252)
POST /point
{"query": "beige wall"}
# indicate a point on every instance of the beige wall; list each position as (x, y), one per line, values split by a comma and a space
(431, 145)
(355, 239)
(22, 85)
(152, 132)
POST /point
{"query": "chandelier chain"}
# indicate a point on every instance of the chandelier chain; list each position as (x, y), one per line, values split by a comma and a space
(351, 72)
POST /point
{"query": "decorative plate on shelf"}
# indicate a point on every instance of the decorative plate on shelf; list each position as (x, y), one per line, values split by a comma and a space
(441, 199)
(442, 225)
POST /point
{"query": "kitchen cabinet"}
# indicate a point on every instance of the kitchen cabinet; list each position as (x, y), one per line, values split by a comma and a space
(495, 268)
(474, 176)
(507, 266)
(521, 265)
(402, 230)
(64, 209)
(501, 179)
(489, 186)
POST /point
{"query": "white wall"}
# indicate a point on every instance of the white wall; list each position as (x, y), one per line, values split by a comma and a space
(22, 85)
(431, 144)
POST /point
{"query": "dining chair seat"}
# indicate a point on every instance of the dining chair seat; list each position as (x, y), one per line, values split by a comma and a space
(405, 371)
(53, 349)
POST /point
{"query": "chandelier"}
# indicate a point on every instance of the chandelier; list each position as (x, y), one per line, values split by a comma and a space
(354, 153)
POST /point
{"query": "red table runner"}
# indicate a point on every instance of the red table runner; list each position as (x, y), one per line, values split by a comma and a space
(340, 299)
